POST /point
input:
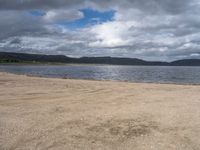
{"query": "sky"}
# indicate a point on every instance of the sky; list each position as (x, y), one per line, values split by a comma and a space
(163, 30)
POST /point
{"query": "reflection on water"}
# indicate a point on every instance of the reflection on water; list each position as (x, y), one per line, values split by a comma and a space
(156, 74)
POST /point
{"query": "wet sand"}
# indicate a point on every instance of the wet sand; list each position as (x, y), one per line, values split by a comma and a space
(65, 114)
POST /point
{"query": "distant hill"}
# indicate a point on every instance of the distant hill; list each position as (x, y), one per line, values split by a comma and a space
(22, 57)
(186, 62)
(6, 57)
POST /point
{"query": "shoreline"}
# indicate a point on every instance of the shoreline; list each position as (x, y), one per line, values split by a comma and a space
(53, 113)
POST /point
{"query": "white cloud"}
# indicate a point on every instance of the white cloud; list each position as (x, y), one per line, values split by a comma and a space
(62, 15)
(114, 33)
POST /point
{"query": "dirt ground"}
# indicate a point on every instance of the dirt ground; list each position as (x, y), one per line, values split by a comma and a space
(64, 114)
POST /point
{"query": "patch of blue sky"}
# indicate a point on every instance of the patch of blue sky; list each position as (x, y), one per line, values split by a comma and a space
(91, 17)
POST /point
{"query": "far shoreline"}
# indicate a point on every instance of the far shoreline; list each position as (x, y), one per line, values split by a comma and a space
(87, 64)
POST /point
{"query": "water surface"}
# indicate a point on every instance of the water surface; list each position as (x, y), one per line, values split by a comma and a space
(153, 74)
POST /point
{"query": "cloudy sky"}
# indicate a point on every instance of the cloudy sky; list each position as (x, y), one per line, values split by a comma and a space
(147, 29)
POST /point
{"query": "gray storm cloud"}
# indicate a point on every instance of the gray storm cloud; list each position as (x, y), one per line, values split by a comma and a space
(152, 30)
(39, 4)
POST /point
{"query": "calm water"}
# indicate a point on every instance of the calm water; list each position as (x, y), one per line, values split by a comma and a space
(155, 74)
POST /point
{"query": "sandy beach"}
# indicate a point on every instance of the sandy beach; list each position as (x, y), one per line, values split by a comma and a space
(65, 114)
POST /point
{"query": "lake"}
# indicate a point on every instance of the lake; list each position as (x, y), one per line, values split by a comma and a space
(152, 74)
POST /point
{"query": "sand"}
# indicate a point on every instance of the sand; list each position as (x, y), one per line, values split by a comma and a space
(64, 114)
